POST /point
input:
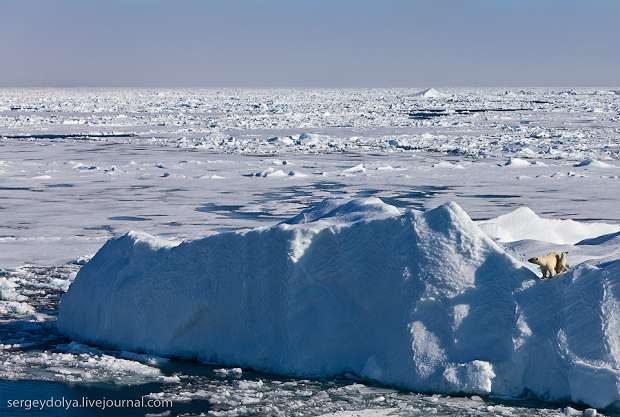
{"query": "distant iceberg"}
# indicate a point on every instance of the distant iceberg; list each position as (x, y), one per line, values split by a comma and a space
(421, 301)
(429, 93)
(593, 163)
(523, 223)
(517, 163)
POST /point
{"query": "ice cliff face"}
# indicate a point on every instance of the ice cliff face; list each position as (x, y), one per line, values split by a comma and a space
(423, 301)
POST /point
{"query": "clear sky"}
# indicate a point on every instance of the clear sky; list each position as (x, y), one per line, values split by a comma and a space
(308, 43)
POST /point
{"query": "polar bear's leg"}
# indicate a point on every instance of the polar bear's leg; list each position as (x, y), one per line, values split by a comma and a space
(548, 271)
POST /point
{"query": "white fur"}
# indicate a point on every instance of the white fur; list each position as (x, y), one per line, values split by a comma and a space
(551, 264)
(562, 263)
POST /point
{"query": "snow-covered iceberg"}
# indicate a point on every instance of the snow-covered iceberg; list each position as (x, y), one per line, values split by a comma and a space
(429, 93)
(423, 301)
(594, 163)
(523, 223)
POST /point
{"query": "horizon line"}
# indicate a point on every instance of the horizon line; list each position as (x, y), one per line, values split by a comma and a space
(299, 87)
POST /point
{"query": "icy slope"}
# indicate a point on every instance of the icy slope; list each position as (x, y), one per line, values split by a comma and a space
(523, 223)
(424, 301)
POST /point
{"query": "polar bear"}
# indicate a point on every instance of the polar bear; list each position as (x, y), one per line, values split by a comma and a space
(551, 264)
(562, 263)
(547, 264)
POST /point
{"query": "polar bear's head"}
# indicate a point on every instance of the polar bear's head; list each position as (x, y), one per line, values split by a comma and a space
(534, 260)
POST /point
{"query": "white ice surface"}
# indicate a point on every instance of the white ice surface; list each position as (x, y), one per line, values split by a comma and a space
(178, 163)
(74, 211)
(523, 223)
(526, 123)
(423, 301)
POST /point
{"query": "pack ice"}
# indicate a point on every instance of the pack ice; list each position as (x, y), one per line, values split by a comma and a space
(419, 300)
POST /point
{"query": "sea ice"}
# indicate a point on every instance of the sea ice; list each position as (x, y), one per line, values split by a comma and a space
(325, 294)
(76, 171)
(594, 163)
(429, 93)
(523, 223)
(517, 163)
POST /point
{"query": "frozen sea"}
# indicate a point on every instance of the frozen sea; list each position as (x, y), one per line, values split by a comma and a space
(79, 166)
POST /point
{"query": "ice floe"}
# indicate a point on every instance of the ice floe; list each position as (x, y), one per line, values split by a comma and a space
(520, 122)
(594, 164)
(270, 172)
(325, 294)
(429, 93)
(446, 164)
(523, 223)
(517, 163)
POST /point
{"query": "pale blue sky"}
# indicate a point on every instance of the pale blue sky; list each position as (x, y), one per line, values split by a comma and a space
(266, 43)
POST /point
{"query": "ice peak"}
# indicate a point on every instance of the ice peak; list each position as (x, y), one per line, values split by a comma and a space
(429, 93)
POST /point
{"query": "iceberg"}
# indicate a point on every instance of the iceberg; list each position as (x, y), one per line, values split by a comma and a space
(517, 163)
(594, 163)
(424, 301)
(429, 93)
(523, 223)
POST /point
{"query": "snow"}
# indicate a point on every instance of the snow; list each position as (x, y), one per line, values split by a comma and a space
(83, 367)
(355, 169)
(27, 327)
(80, 166)
(429, 93)
(517, 163)
(337, 211)
(297, 174)
(523, 223)
(325, 294)
(119, 181)
(231, 371)
(535, 122)
(270, 172)
(364, 413)
(606, 240)
(446, 164)
(594, 163)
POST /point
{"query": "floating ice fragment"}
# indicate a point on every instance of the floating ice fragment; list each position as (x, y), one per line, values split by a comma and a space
(449, 165)
(270, 172)
(517, 163)
(594, 163)
(355, 169)
(228, 371)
